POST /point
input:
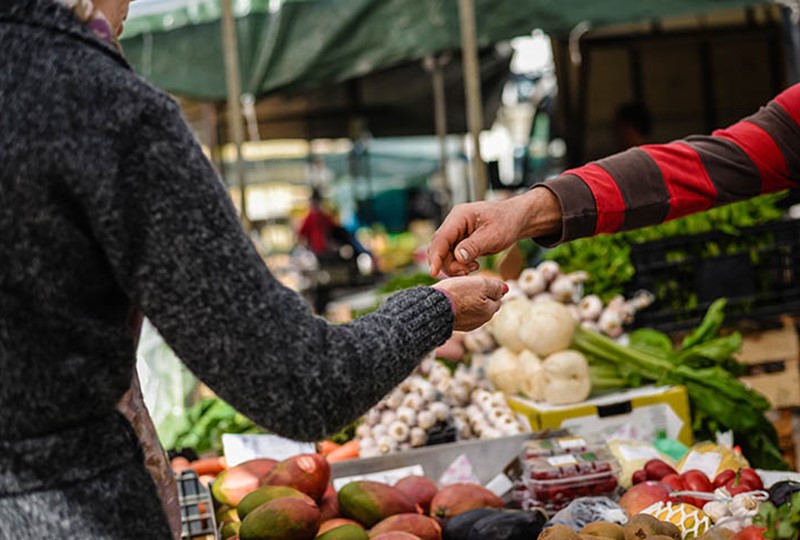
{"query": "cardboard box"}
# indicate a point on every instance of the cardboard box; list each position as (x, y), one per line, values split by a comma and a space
(773, 359)
(637, 413)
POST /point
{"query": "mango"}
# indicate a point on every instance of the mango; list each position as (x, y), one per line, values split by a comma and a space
(459, 498)
(333, 523)
(424, 527)
(309, 473)
(231, 485)
(329, 506)
(345, 532)
(420, 489)
(226, 514)
(282, 519)
(371, 502)
(262, 495)
(229, 529)
(395, 536)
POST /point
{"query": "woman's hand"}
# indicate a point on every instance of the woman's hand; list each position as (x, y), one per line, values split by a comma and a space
(481, 228)
(475, 299)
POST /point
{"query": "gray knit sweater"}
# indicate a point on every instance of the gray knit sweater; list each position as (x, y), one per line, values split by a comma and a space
(107, 202)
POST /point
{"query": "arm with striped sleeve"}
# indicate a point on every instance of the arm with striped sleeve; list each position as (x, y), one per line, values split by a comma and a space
(656, 183)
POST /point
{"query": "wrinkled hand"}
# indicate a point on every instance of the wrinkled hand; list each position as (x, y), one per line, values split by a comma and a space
(482, 228)
(475, 299)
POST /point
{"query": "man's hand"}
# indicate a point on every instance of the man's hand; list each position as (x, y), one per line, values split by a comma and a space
(475, 299)
(482, 228)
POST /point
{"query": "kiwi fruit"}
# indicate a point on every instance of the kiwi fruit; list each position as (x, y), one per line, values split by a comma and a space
(642, 526)
(559, 532)
(670, 530)
(604, 529)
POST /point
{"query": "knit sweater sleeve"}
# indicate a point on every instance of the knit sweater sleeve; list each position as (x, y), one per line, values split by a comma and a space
(174, 243)
(660, 182)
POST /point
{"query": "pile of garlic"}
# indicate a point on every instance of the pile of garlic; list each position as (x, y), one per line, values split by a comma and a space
(546, 283)
(526, 344)
(734, 513)
(431, 396)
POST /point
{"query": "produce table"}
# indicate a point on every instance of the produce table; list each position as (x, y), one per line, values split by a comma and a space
(488, 458)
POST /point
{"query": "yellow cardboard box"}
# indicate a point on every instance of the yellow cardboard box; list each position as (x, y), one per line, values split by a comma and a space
(638, 413)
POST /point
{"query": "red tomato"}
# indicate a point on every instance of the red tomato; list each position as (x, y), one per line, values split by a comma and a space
(675, 482)
(750, 533)
(741, 488)
(657, 469)
(639, 477)
(697, 481)
(750, 476)
(724, 477)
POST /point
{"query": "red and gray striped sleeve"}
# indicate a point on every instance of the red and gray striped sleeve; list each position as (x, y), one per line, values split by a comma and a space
(656, 183)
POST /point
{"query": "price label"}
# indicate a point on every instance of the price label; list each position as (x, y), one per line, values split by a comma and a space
(707, 462)
(241, 448)
(562, 461)
(572, 443)
(389, 477)
(639, 453)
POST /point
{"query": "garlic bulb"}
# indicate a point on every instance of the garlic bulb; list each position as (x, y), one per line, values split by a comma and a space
(386, 444)
(479, 340)
(412, 401)
(426, 419)
(610, 322)
(532, 282)
(399, 431)
(387, 417)
(363, 431)
(550, 270)
(417, 436)
(563, 290)
(380, 430)
(395, 399)
(440, 410)
(590, 308)
(407, 415)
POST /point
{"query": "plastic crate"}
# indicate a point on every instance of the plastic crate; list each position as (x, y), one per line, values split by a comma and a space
(197, 508)
(757, 269)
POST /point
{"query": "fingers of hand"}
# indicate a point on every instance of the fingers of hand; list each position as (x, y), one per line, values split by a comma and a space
(495, 289)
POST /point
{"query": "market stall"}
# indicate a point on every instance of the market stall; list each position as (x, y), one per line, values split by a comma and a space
(613, 396)
(558, 412)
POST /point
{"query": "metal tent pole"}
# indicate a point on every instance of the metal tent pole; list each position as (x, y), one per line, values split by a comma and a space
(235, 120)
(472, 89)
(435, 66)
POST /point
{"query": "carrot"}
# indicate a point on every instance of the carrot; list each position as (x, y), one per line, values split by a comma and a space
(179, 464)
(348, 450)
(326, 447)
(212, 466)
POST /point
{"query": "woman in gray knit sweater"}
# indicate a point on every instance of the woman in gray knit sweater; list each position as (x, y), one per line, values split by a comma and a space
(106, 204)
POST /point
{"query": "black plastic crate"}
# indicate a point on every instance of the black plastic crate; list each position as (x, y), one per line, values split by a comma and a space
(197, 508)
(757, 269)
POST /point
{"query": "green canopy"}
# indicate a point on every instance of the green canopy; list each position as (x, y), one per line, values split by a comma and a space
(299, 44)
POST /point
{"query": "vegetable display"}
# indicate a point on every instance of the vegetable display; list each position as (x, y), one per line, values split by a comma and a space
(432, 399)
(719, 401)
(607, 257)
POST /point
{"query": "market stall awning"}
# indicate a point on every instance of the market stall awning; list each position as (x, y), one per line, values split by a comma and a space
(299, 44)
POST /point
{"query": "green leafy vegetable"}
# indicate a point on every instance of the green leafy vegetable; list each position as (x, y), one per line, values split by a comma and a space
(781, 523)
(208, 421)
(607, 257)
(719, 401)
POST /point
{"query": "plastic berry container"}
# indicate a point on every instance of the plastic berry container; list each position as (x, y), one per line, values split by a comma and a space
(562, 445)
(553, 482)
